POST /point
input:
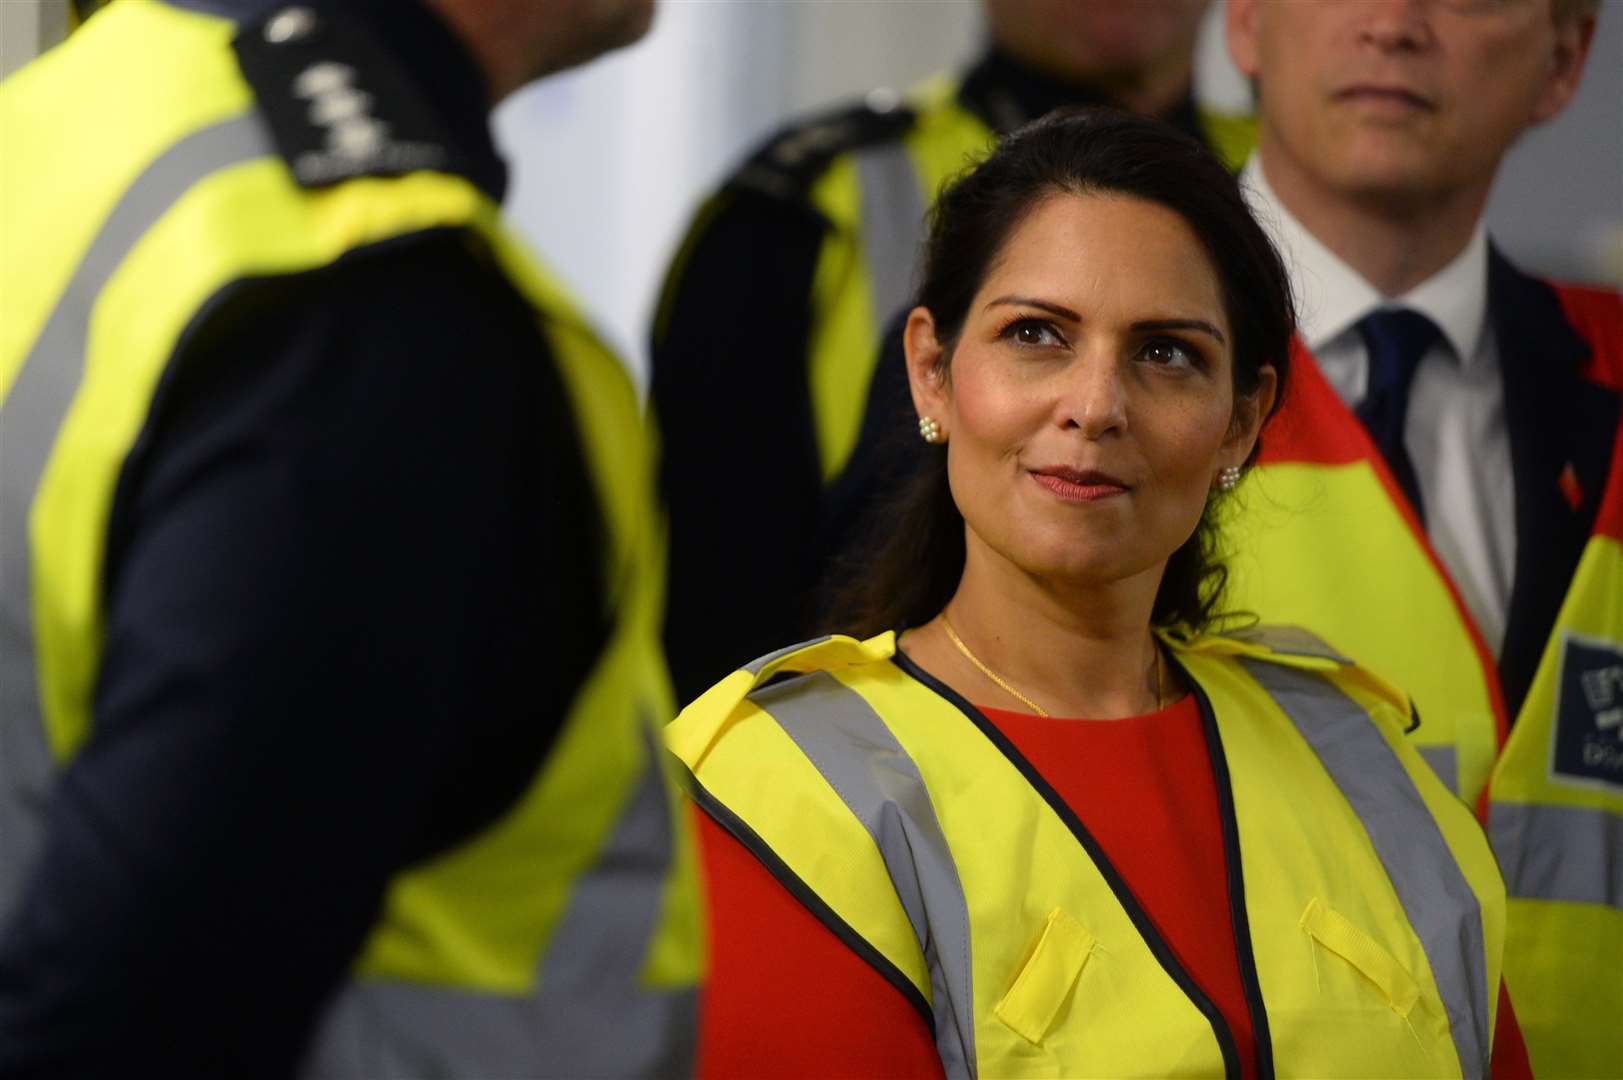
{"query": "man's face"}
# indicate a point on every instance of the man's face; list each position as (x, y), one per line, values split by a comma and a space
(1404, 99)
(590, 28)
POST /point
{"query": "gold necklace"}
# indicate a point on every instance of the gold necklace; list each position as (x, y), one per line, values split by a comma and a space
(952, 635)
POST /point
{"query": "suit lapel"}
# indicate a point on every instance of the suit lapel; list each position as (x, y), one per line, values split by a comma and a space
(1561, 430)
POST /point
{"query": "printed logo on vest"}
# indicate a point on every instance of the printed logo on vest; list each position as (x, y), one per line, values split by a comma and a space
(1588, 744)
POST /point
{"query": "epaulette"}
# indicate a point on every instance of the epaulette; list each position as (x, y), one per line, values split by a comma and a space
(338, 105)
(792, 159)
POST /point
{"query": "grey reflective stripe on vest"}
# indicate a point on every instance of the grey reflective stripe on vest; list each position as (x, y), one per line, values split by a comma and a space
(1567, 853)
(30, 418)
(1289, 640)
(1436, 898)
(1445, 762)
(857, 754)
(589, 1015)
(759, 664)
(892, 226)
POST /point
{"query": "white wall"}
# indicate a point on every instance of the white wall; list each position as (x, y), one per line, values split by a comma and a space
(610, 161)
(27, 27)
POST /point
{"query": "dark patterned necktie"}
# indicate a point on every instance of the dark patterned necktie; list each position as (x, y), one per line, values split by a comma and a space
(1396, 339)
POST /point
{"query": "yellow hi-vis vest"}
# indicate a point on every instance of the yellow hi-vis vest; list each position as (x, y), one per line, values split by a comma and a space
(874, 198)
(1368, 912)
(572, 914)
(1555, 816)
(1324, 540)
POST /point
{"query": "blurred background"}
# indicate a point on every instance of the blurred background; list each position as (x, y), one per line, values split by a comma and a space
(610, 160)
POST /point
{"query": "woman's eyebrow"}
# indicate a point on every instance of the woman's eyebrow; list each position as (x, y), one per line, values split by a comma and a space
(1182, 324)
(1030, 301)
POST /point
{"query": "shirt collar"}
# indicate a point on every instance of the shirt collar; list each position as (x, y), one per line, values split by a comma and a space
(1331, 296)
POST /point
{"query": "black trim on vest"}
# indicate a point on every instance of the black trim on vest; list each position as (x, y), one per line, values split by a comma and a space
(1124, 895)
(808, 898)
(1238, 916)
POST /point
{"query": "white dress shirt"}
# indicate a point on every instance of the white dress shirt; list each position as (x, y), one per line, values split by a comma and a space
(1455, 430)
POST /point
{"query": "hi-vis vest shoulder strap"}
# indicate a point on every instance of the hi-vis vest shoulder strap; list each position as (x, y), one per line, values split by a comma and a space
(502, 954)
(1369, 915)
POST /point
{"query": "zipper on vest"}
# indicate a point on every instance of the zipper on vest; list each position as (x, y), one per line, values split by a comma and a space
(1124, 896)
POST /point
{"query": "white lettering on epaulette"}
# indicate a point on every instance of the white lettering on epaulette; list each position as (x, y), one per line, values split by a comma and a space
(357, 141)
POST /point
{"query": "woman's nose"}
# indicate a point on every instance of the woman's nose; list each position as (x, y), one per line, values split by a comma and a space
(1095, 400)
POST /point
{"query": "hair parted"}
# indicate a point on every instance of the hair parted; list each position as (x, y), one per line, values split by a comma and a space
(912, 553)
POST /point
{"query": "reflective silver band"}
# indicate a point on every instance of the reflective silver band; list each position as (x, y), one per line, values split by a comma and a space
(1432, 888)
(589, 1017)
(1565, 853)
(861, 760)
(759, 664)
(30, 418)
(1445, 762)
(1288, 639)
(892, 227)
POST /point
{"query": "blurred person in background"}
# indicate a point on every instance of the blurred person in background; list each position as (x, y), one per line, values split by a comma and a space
(328, 647)
(1046, 820)
(772, 309)
(1444, 499)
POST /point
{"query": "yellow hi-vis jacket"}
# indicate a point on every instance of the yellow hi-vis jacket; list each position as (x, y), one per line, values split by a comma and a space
(574, 909)
(1369, 915)
(1326, 540)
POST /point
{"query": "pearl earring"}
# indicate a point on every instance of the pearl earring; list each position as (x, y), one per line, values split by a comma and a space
(930, 430)
(1228, 478)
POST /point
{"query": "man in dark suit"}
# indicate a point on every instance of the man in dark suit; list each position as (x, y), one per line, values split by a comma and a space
(1441, 497)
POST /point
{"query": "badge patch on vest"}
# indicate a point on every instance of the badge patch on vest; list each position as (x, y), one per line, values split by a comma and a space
(1588, 741)
(338, 105)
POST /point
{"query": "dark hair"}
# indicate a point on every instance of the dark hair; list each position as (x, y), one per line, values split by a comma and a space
(912, 554)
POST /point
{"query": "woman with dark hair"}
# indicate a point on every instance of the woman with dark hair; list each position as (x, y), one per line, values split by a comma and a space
(1036, 800)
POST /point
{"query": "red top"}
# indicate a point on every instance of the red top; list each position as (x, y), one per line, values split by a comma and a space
(787, 998)
(1144, 789)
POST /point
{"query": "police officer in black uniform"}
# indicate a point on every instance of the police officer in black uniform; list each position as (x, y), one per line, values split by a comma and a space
(347, 600)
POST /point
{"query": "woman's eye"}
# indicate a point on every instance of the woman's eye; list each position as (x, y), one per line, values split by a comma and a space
(1169, 353)
(1032, 332)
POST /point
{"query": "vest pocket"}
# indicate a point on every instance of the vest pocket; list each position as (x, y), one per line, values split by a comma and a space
(1339, 936)
(1046, 977)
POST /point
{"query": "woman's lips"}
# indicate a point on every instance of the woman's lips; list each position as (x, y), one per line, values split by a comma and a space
(1071, 485)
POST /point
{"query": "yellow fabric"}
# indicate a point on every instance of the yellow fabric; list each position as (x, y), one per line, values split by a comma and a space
(1046, 978)
(1232, 136)
(1564, 960)
(1063, 983)
(452, 921)
(843, 346)
(1336, 933)
(1300, 518)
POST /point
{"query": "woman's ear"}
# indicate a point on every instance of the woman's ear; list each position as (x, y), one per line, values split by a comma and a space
(926, 367)
(1249, 413)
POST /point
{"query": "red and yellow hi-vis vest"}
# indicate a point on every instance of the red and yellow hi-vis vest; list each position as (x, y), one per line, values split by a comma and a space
(1325, 540)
